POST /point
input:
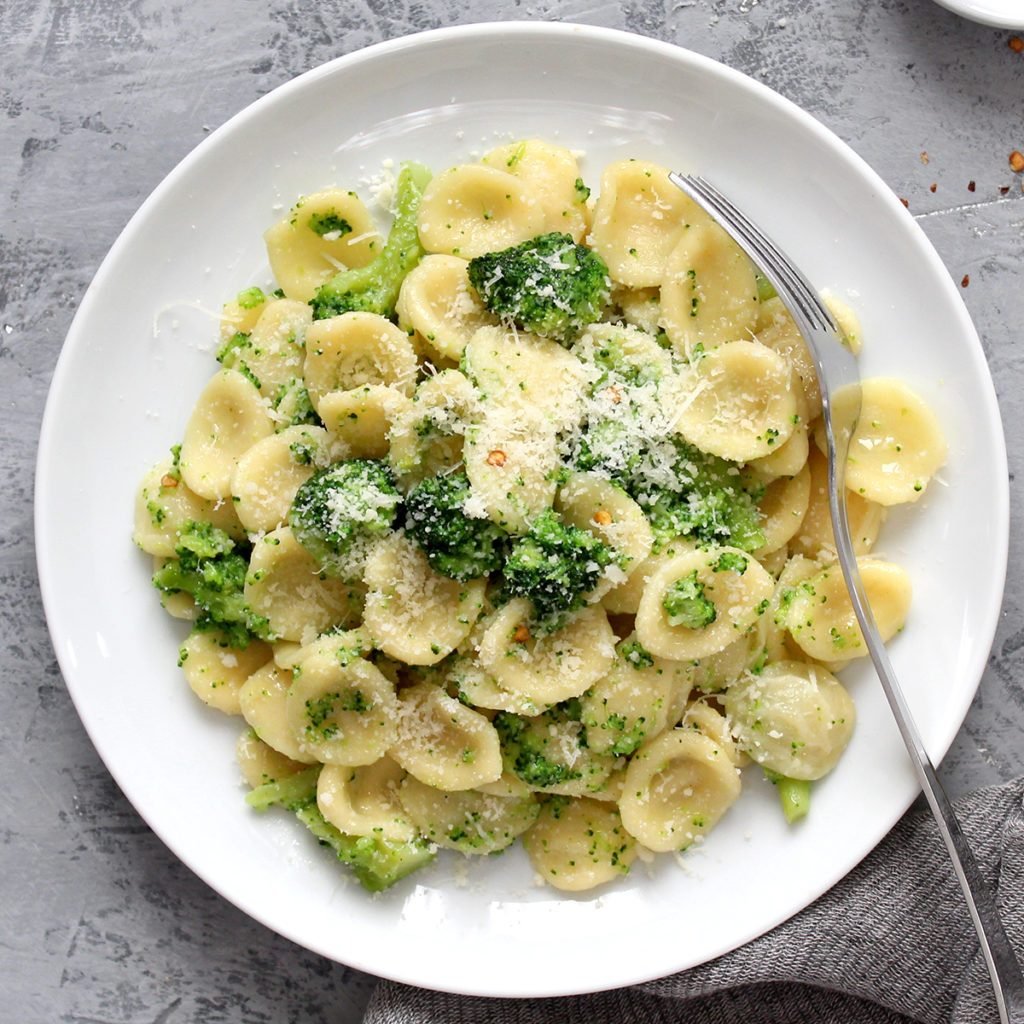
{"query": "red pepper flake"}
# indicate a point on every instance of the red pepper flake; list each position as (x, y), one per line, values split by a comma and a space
(1017, 161)
(168, 481)
(904, 202)
(933, 186)
(602, 517)
(971, 186)
(965, 280)
(1004, 190)
(1016, 44)
(521, 634)
(496, 458)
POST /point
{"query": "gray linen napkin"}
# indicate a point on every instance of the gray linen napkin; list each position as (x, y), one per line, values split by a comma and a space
(891, 943)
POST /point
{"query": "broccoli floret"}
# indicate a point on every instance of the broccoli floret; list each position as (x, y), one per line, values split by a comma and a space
(685, 604)
(548, 285)
(250, 298)
(532, 750)
(340, 509)
(329, 223)
(374, 288)
(293, 405)
(456, 545)
(682, 490)
(211, 569)
(555, 564)
(377, 863)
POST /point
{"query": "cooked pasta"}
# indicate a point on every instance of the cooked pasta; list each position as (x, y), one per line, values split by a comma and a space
(513, 522)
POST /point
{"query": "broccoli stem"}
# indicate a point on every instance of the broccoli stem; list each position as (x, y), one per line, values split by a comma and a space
(377, 863)
(374, 288)
(794, 795)
(293, 792)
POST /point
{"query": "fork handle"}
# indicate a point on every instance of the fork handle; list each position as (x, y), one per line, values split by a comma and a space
(1003, 968)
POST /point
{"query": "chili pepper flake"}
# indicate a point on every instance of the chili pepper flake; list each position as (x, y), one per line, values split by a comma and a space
(965, 280)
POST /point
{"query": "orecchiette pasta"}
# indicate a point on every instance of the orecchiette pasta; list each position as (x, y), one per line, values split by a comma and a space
(536, 545)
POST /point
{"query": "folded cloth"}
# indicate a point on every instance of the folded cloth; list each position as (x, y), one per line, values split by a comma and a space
(889, 944)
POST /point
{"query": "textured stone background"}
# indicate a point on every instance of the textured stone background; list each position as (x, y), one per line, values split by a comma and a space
(99, 99)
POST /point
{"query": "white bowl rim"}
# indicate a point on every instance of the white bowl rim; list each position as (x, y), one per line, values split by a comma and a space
(45, 486)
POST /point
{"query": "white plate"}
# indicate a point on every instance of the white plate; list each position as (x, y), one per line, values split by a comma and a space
(140, 349)
(996, 13)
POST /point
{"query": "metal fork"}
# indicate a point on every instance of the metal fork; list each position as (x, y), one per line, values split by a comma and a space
(839, 381)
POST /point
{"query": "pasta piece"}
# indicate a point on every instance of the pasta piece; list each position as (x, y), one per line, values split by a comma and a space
(439, 304)
(443, 743)
(740, 404)
(164, 505)
(274, 352)
(593, 503)
(228, 419)
(427, 436)
(640, 697)
(709, 291)
(477, 688)
(469, 821)
(338, 644)
(530, 390)
(507, 785)
(776, 330)
(815, 538)
(517, 370)
(625, 598)
(260, 763)
(553, 176)
(788, 458)
(579, 844)
(267, 476)
(795, 719)
(415, 614)
(236, 318)
(361, 420)
(363, 800)
(355, 349)
(715, 672)
(471, 210)
(217, 672)
(286, 586)
(897, 447)
(324, 233)
(550, 668)
(719, 595)
(820, 618)
(341, 711)
(639, 219)
(262, 700)
(701, 717)
(677, 788)
(640, 307)
(783, 509)
(846, 320)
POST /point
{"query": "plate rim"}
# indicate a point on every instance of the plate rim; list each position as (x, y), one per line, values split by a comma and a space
(999, 525)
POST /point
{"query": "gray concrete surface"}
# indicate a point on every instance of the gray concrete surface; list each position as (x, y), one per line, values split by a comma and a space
(98, 100)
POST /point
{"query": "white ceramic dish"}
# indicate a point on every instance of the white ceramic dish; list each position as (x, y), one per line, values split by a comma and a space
(994, 13)
(140, 349)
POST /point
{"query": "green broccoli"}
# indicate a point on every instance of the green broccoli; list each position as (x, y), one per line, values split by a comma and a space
(338, 510)
(210, 567)
(794, 795)
(329, 223)
(555, 564)
(456, 545)
(374, 288)
(685, 604)
(294, 406)
(548, 285)
(376, 862)
(531, 747)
